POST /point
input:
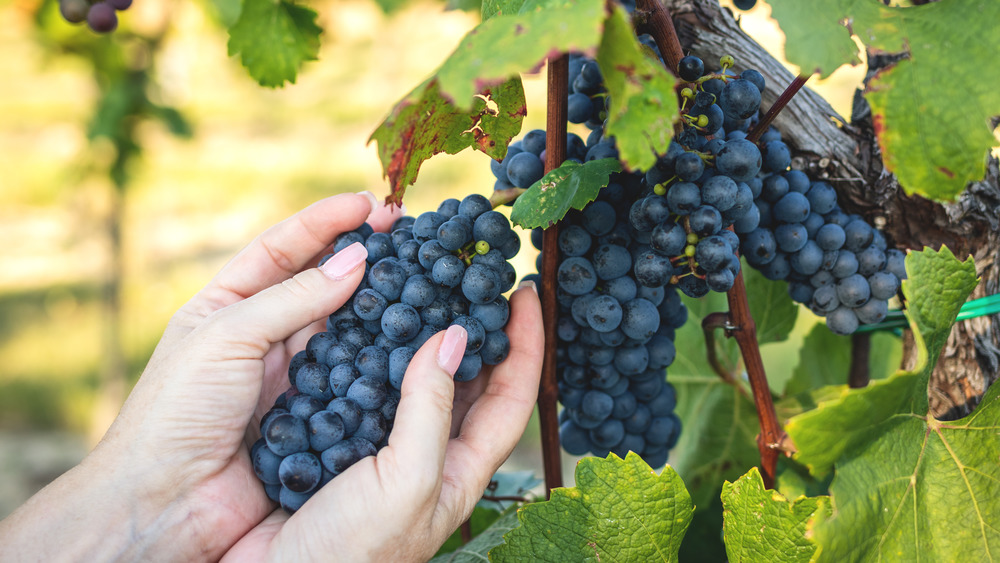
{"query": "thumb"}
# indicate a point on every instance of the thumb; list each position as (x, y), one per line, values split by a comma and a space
(281, 310)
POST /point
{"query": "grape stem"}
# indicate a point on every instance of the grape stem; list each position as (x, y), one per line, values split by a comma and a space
(775, 109)
(861, 345)
(548, 391)
(709, 325)
(466, 531)
(744, 329)
(653, 18)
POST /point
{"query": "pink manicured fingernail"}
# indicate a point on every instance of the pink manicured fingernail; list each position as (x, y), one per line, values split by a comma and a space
(371, 199)
(345, 261)
(452, 349)
(528, 283)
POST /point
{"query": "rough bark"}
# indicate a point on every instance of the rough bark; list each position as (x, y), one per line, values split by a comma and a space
(846, 155)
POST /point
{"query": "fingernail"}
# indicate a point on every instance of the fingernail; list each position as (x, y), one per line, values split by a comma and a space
(452, 349)
(371, 199)
(528, 283)
(346, 261)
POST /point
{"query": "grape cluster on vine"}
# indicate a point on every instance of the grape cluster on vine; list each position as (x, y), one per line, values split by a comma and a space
(442, 268)
(101, 16)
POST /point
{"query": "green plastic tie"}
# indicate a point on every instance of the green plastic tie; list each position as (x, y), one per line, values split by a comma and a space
(981, 307)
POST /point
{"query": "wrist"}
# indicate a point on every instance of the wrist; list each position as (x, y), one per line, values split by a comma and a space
(103, 509)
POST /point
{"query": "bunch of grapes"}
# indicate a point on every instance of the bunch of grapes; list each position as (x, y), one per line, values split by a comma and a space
(615, 335)
(101, 16)
(446, 267)
(835, 263)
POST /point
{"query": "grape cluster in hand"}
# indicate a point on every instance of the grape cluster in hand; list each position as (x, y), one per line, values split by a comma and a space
(101, 16)
(444, 267)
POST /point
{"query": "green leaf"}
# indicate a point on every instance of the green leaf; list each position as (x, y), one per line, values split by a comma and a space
(620, 510)
(938, 284)
(506, 45)
(643, 102)
(493, 8)
(425, 123)
(476, 550)
(923, 490)
(572, 185)
(825, 359)
(761, 525)
(274, 38)
(772, 309)
(390, 6)
(934, 145)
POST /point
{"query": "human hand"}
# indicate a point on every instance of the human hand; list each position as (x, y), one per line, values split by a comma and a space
(402, 504)
(172, 474)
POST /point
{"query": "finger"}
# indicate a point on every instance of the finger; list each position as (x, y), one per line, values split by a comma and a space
(384, 216)
(288, 247)
(280, 311)
(496, 421)
(423, 418)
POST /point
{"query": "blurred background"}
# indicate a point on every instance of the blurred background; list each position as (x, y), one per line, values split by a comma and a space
(135, 165)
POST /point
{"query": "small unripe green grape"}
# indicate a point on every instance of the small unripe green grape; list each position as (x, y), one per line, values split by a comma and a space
(692, 238)
(660, 189)
(702, 120)
(727, 61)
(687, 93)
(482, 247)
(689, 250)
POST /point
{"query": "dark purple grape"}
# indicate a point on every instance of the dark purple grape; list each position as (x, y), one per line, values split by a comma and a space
(102, 17)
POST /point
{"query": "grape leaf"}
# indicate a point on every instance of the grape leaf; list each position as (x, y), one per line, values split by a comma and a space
(761, 525)
(492, 8)
(506, 45)
(643, 103)
(825, 359)
(425, 123)
(619, 510)
(934, 145)
(572, 185)
(906, 484)
(274, 39)
(476, 550)
(772, 309)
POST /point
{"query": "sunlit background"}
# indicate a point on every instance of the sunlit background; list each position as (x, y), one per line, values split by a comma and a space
(71, 238)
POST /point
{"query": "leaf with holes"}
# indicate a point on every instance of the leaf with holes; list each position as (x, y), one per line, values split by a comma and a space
(571, 186)
(425, 123)
(761, 525)
(933, 142)
(643, 103)
(619, 510)
(906, 484)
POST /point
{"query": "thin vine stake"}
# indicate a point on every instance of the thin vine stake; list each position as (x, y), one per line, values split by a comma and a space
(548, 392)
